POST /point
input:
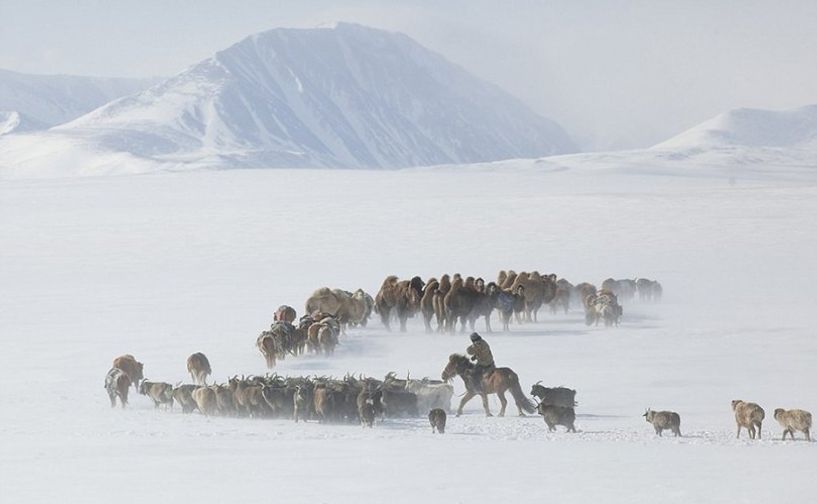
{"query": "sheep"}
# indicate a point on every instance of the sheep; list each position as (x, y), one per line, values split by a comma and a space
(436, 418)
(664, 420)
(558, 415)
(183, 394)
(158, 392)
(430, 395)
(117, 384)
(794, 420)
(748, 415)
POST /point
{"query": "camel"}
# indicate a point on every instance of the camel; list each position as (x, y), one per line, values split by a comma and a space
(439, 301)
(349, 308)
(484, 305)
(507, 281)
(584, 290)
(507, 303)
(401, 296)
(458, 304)
(539, 290)
(427, 302)
(560, 300)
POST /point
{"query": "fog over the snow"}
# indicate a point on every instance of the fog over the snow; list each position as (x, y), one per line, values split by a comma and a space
(614, 74)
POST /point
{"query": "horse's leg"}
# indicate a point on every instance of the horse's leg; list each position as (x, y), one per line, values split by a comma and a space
(503, 402)
(467, 397)
(485, 404)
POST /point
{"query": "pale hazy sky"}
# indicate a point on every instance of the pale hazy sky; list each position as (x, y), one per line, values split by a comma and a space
(615, 74)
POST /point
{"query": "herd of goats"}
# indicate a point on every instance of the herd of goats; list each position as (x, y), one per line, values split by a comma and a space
(364, 400)
(448, 302)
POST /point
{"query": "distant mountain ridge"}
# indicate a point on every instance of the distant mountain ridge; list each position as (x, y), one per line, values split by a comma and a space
(36, 102)
(341, 97)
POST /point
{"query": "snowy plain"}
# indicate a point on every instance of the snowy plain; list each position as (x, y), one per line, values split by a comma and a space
(164, 265)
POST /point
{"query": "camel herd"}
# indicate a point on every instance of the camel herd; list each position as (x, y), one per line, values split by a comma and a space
(446, 303)
(453, 300)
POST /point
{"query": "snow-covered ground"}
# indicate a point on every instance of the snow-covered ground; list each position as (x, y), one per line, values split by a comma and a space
(169, 264)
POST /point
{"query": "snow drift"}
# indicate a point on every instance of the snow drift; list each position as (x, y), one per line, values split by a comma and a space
(347, 96)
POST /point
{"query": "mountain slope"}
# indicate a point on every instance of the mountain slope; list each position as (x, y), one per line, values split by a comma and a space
(756, 128)
(38, 102)
(737, 146)
(347, 96)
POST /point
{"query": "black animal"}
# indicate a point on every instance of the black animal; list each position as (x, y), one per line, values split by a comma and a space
(437, 419)
(398, 403)
(557, 396)
(558, 415)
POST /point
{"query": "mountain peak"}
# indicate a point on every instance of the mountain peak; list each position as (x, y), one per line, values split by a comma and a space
(348, 96)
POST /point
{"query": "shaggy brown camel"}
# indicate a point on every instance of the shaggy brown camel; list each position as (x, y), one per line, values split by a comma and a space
(427, 302)
(401, 296)
(439, 301)
(458, 303)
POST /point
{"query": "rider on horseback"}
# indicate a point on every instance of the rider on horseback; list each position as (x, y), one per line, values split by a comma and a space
(480, 353)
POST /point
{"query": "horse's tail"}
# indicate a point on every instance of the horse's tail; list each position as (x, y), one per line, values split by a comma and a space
(518, 396)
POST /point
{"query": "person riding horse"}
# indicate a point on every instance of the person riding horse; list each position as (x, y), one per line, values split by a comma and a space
(480, 353)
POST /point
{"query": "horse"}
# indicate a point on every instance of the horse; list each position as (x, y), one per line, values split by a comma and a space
(496, 381)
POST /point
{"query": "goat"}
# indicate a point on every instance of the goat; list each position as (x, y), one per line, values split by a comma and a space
(794, 420)
(664, 420)
(748, 415)
(117, 384)
(158, 392)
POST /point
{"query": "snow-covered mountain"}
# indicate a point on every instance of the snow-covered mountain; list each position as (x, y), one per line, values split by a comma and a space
(795, 128)
(346, 96)
(35, 102)
(742, 144)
